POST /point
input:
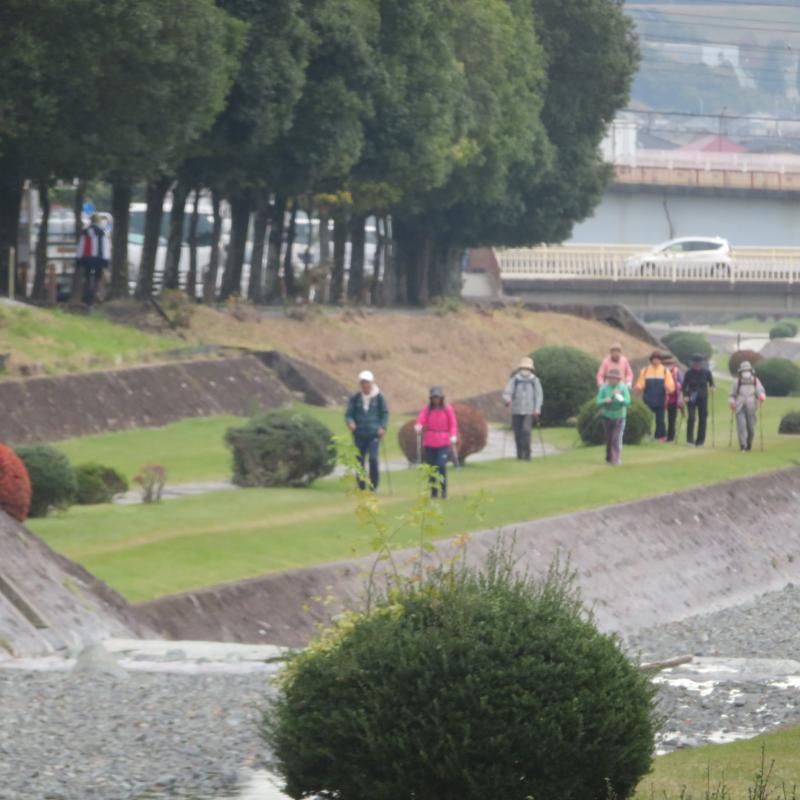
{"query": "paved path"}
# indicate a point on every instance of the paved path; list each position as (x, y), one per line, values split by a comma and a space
(499, 446)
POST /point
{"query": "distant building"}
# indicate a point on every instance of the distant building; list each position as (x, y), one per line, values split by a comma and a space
(713, 144)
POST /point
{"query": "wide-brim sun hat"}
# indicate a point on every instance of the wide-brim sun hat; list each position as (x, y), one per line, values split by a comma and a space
(366, 375)
(616, 346)
(526, 363)
(436, 391)
(745, 366)
(656, 354)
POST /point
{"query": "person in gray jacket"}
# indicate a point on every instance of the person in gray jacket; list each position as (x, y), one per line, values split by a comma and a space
(745, 398)
(524, 396)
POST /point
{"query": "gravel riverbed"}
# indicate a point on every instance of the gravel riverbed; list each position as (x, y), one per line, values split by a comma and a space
(73, 736)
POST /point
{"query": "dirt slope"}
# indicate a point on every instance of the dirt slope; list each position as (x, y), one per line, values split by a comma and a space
(469, 352)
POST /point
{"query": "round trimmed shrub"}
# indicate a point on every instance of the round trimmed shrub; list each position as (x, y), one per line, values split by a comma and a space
(15, 485)
(790, 423)
(783, 330)
(735, 361)
(780, 376)
(568, 381)
(684, 344)
(473, 434)
(637, 427)
(474, 685)
(98, 484)
(281, 448)
(52, 478)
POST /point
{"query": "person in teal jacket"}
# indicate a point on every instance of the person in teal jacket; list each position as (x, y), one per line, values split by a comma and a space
(613, 398)
(367, 417)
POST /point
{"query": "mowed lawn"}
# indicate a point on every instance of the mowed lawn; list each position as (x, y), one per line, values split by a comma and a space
(687, 774)
(191, 450)
(148, 551)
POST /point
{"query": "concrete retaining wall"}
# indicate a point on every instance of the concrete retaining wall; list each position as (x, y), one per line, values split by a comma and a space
(50, 409)
(50, 604)
(638, 564)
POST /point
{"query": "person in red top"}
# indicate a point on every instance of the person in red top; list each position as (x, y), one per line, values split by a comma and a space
(674, 401)
(439, 430)
(92, 257)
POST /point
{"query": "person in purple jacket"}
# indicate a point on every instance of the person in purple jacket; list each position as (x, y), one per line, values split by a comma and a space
(438, 428)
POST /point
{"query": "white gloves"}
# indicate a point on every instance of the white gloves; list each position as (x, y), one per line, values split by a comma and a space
(418, 428)
(453, 439)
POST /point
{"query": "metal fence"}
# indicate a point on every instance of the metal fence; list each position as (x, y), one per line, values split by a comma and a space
(601, 263)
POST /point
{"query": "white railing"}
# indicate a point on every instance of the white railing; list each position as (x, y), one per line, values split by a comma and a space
(750, 265)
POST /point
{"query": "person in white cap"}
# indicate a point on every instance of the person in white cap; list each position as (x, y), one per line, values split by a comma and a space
(524, 396)
(745, 398)
(367, 417)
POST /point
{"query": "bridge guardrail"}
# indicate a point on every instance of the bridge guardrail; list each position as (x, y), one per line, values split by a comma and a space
(756, 265)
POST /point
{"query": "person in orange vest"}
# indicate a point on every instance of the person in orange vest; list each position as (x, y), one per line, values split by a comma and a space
(655, 383)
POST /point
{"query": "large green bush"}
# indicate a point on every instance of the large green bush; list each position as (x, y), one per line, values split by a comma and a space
(98, 484)
(790, 423)
(780, 376)
(471, 686)
(637, 426)
(684, 344)
(568, 381)
(52, 477)
(281, 448)
(783, 330)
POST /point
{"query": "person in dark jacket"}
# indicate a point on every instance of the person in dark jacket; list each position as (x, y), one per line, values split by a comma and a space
(698, 382)
(368, 417)
(93, 257)
(656, 383)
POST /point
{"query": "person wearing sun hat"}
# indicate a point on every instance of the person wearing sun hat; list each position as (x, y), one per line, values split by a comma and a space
(613, 397)
(524, 396)
(745, 398)
(615, 359)
(655, 383)
(367, 416)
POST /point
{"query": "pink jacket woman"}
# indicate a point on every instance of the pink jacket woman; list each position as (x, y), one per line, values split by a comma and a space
(438, 425)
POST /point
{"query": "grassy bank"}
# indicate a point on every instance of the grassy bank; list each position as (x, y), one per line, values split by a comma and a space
(147, 551)
(701, 773)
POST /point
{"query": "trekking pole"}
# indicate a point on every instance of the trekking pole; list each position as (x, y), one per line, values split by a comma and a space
(541, 437)
(386, 462)
(713, 421)
(760, 423)
(505, 439)
(419, 448)
(730, 433)
(678, 428)
(454, 451)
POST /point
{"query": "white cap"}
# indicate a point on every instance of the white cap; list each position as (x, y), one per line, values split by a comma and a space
(366, 375)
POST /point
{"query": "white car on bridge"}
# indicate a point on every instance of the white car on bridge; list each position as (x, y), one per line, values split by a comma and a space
(710, 254)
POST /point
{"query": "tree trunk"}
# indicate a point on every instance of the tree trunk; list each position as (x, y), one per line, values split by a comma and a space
(172, 260)
(444, 276)
(288, 263)
(376, 289)
(324, 239)
(76, 287)
(240, 222)
(273, 290)
(355, 281)
(255, 289)
(210, 279)
(121, 211)
(394, 293)
(10, 204)
(39, 290)
(191, 276)
(339, 248)
(413, 253)
(156, 192)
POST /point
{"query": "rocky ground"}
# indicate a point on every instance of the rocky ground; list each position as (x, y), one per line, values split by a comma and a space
(107, 733)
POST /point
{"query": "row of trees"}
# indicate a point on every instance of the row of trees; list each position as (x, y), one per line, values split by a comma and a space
(465, 122)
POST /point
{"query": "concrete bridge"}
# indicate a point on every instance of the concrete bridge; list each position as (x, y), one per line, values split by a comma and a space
(761, 281)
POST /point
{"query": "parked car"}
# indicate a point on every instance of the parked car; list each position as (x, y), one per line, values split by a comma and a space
(713, 253)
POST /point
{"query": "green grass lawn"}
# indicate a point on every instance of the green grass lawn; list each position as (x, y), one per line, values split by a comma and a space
(191, 450)
(734, 765)
(753, 325)
(63, 342)
(148, 551)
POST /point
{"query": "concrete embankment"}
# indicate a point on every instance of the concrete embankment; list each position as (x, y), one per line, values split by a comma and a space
(638, 564)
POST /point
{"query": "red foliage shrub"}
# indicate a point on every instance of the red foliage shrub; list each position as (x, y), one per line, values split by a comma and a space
(473, 433)
(15, 485)
(743, 355)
